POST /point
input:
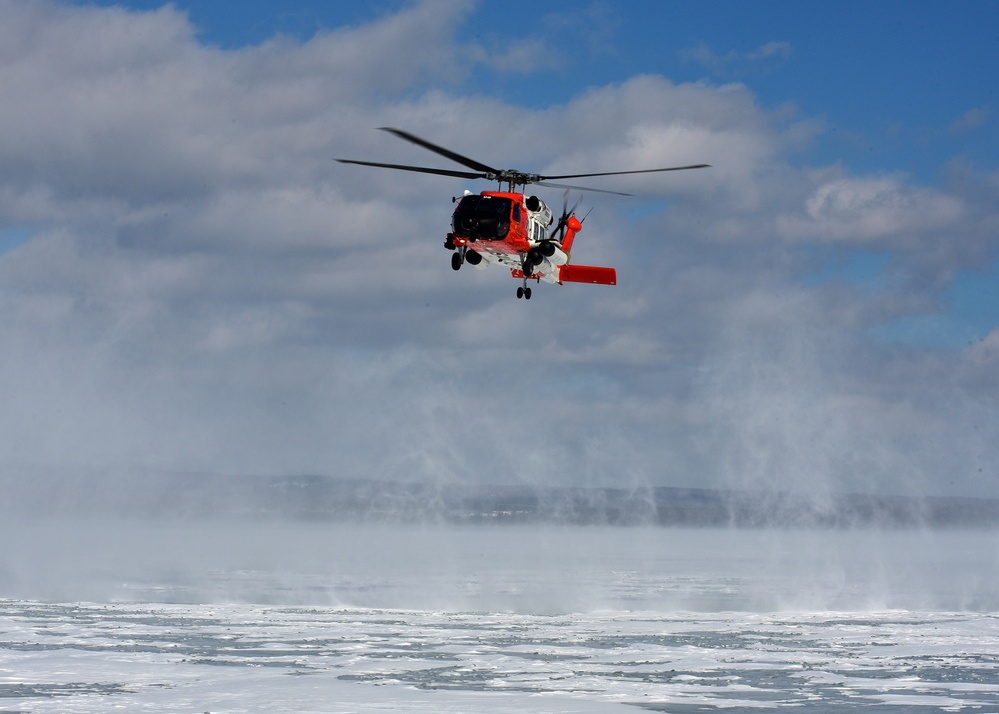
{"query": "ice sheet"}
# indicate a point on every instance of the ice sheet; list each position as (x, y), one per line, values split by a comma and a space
(244, 658)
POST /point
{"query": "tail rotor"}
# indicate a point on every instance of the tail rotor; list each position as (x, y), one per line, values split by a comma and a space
(558, 235)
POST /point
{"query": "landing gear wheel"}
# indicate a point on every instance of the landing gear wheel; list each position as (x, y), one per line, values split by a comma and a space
(527, 293)
(520, 293)
(456, 261)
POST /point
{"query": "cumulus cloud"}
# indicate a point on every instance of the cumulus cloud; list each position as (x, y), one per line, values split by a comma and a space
(203, 288)
(871, 210)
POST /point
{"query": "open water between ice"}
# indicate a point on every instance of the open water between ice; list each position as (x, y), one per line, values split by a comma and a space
(319, 618)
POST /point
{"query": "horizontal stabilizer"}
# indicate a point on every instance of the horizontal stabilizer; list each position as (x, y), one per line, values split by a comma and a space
(587, 274)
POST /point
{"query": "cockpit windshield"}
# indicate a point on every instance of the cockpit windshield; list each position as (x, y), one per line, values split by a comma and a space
(482, 217)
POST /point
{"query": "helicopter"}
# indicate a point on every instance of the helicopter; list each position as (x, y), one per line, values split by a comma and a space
(510, 228)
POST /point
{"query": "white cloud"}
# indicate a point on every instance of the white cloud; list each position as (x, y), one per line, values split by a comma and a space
(764, 58)
(518, 56)
(871, 210)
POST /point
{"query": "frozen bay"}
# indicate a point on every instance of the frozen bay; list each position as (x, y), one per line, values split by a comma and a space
(239, 617)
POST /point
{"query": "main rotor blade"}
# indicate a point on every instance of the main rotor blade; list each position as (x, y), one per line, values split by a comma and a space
(621, 173)
(418, 169)
(551, 184)
(447, 153)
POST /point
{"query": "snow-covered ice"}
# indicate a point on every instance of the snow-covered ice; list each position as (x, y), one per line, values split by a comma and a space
(245, 658)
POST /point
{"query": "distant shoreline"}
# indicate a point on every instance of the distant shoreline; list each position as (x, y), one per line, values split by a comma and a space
(335, 499)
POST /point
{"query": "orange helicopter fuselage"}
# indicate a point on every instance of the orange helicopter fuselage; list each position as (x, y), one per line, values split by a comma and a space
(512, 229)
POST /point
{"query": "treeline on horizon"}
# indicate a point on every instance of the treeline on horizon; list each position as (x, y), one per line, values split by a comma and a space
(325, 498)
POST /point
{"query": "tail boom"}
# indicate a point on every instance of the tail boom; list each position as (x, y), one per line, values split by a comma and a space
(591, 274)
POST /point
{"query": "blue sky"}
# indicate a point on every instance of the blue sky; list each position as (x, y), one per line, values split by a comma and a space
(188, 281)
(904, 86)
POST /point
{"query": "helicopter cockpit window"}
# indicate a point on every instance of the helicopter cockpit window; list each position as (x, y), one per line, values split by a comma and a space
(482, 217)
